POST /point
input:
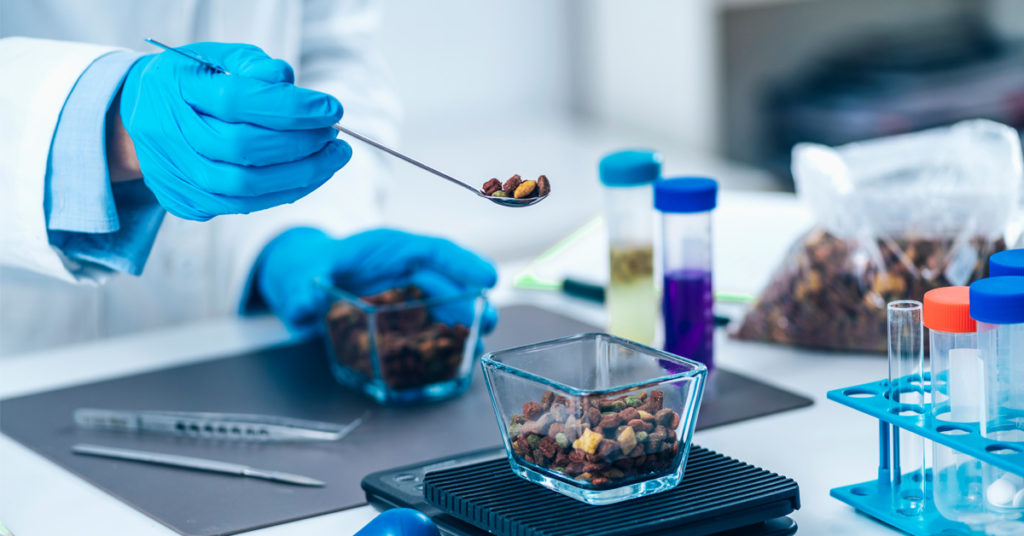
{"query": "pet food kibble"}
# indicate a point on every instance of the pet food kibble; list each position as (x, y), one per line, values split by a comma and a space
(588, 441)
(543, 186)
(413, 350)
(546, 400)
(604, 440)
(531, 410)
(491, 186)
(515, 187)
(664, 417)
(525, 189)
(511, 184)
(627, 439)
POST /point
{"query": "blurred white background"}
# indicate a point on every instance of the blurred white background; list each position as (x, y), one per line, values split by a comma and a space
(548, 86)
(490, 89)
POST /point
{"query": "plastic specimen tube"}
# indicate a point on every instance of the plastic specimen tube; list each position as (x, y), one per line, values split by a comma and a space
(997, 304)
(632, 298)
(957, 479)
(906, 397)
(685, 205)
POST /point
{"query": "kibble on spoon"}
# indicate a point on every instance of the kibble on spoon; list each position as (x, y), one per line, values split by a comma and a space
(515, 187)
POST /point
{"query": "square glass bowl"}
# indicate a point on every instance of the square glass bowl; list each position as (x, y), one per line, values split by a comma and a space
(398, 353)
(596, 417)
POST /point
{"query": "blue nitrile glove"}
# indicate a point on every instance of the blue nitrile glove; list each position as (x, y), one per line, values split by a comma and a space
(400, 522)
(210, 143)
(364, 264)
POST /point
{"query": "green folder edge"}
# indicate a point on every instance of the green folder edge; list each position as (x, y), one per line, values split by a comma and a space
(529, 280)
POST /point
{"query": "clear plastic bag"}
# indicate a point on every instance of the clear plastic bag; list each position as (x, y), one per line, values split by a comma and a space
(896, 217)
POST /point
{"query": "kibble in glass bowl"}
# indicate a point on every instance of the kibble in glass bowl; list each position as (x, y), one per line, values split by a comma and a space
(401, 346)
(596, 417)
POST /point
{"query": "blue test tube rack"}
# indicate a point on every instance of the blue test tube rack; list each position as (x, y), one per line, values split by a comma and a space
(874, 497)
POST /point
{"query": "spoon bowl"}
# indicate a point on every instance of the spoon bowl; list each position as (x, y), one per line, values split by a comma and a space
(503, 201)
(513, 202)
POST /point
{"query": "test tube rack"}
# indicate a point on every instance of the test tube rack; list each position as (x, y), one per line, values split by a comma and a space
(874, 497)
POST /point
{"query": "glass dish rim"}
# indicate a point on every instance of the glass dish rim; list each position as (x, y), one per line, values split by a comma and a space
(487, 361)
(369, 308)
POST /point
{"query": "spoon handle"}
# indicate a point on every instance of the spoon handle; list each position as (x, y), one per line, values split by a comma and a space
(392, 152)
(337, 126)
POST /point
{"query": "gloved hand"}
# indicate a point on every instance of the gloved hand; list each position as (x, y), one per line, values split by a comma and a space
(210, 143)
(400, 522)
(365, 264)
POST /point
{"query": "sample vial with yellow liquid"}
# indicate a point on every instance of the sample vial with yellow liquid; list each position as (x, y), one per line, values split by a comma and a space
(631, 295)
(631, 300)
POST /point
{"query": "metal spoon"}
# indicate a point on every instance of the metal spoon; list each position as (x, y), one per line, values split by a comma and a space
(503, 201)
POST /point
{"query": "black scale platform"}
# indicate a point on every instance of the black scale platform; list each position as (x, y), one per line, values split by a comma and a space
(476, 493)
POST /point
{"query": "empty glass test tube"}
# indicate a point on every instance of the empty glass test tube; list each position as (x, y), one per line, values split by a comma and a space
(906, 397)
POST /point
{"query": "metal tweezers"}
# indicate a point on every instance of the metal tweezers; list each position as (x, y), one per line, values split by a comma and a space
(235, 426)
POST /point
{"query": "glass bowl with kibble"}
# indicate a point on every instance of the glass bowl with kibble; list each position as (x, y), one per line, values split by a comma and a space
(401, 346)
(595, 417)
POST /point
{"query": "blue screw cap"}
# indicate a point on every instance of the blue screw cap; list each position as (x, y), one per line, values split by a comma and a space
(998, 300)
(630, 168)
(1009, 262)
(686, 194)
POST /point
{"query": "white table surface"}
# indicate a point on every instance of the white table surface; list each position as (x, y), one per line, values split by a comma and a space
(821, 447)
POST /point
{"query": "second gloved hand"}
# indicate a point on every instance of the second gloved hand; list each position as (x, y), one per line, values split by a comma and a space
(210, 143)
(365, 264)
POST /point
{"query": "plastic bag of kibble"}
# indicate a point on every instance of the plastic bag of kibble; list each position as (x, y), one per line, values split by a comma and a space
(896, 217)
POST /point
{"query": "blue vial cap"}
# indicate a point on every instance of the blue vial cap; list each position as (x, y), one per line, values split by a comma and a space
(630, 168)
(998, 300)
(685, 194)
(1009, 262)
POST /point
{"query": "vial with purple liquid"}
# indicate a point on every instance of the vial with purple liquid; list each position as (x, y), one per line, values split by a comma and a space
(687, 299)
(687, 309)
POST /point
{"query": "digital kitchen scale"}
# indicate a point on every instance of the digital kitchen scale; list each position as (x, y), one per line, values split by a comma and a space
(718, 495)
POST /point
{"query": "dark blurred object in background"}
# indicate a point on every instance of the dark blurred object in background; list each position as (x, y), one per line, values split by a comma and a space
(893, 83)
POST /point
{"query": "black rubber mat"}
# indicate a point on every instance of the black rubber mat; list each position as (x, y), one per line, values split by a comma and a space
(717, 494)
(293, 380)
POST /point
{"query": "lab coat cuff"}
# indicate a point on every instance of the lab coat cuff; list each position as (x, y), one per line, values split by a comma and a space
(78, 196)
(127, 249)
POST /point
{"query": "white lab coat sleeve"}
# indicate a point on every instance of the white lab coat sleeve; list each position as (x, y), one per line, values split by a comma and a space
(38, 75)
(339, 55)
